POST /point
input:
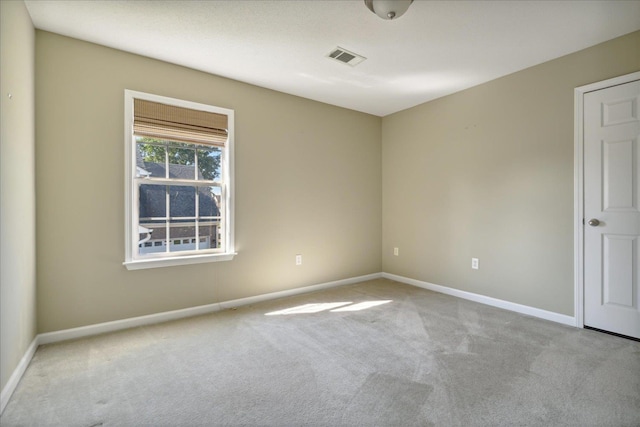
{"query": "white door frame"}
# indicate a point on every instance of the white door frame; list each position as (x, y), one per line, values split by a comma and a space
(578, 186)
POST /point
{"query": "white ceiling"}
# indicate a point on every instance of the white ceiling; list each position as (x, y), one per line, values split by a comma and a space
(436, 48)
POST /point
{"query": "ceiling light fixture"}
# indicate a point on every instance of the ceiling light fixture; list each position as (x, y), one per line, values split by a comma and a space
(388, 9)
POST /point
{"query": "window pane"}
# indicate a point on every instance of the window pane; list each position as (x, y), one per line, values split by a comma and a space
(210, 235)
(183, 237)
(150, 158)
(209, 166)
(182, 201)
(152, 201)
(181, 161)
(209, 202)
(152, 237)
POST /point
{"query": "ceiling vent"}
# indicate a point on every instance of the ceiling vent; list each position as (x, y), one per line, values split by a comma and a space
(342, 55)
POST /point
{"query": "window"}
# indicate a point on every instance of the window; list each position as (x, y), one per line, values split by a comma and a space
(178, 183)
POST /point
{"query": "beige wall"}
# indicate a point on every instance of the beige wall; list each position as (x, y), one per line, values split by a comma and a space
(308, 181)
(17, 187)
(488, 173)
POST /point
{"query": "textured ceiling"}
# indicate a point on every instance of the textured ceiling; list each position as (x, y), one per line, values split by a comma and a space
(436, 48)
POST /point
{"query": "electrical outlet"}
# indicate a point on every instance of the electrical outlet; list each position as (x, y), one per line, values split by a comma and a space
(396, 251)
(298, 259)
(475, 264)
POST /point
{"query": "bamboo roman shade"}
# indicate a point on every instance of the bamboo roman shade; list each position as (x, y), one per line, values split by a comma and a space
(156, 120)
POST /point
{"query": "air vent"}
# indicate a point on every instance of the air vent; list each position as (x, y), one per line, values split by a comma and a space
(345, 56)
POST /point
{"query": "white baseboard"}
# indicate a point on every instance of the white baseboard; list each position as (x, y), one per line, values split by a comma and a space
(117, 325)
(11, 385)
(494, 302)
(132, 322)
(297, 291)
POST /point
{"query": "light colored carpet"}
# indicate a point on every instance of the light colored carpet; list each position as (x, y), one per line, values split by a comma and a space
(421, 359)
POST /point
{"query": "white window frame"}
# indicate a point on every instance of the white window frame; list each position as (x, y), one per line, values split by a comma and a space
(133, 261)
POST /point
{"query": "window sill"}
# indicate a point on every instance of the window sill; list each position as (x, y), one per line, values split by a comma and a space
(140, 264)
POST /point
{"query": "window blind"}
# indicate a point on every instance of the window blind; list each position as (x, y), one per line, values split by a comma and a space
(156, 120)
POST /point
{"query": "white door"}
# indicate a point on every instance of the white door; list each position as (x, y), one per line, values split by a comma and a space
(611, 209)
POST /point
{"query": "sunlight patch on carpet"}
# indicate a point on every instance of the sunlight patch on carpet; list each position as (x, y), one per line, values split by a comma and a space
(324, 306)
(362, 305)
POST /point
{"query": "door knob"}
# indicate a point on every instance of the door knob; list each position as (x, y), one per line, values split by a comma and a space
(594, 222)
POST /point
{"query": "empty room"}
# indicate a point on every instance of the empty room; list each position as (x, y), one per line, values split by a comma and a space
(355, 212)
